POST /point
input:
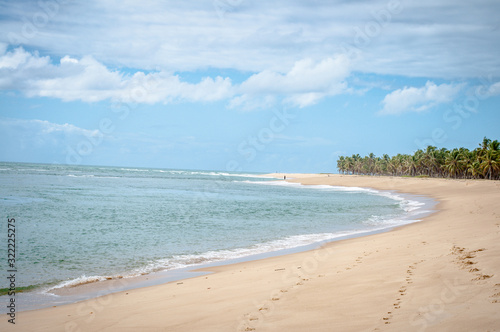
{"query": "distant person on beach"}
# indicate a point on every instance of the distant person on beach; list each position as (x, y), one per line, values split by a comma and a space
(284, 177)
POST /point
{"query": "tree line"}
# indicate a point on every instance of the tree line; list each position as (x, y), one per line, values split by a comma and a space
(480, 163)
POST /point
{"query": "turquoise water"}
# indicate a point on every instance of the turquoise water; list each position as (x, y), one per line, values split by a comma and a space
(76, 224)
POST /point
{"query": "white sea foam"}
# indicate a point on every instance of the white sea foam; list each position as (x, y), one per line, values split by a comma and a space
(242, 175)
(206, 173)
(135, 170)
(81, 176)
(193, 260)
(82, 280)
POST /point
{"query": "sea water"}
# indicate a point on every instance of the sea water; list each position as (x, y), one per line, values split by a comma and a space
(81, 224)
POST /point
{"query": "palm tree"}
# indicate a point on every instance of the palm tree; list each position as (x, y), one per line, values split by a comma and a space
(419, 162)
(371, 163)
(379, 167)
(441, 157)
(453, 163)
(490, 165)
(485, 143)
(466, 158)
(349, 165)
(341, 164)
(482, 162)
(356, 164)
(384, 164)
(395, 165)
(430, 159)
(494, 145)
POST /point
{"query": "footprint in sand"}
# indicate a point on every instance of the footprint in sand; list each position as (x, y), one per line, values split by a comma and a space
(481, 276)
(251, 319)
(387, 318)
(496, 288)
(402, 292)
(410, 272)
(397, 304)
(465, 261)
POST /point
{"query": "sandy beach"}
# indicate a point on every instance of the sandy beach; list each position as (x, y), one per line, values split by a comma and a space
(440, 274)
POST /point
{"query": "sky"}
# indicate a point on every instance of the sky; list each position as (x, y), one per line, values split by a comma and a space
(240, 85)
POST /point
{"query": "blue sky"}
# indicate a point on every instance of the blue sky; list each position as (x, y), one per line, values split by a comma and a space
(244, 85)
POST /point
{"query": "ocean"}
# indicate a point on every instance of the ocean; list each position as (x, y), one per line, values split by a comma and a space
(83, 224)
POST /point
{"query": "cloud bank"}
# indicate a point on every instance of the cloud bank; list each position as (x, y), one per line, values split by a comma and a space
(88, 80)
(443, 39)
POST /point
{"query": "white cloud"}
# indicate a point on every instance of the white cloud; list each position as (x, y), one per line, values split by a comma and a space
(20, 58)
(305, 99)
(41, 127)
(305, 76)
(304, 84)
(246, 102)
(49, 127)
(494, 89)
(208, 89)
(411, 99)
(291, 48)
(88, 80)
(427, 38)
(68, 59)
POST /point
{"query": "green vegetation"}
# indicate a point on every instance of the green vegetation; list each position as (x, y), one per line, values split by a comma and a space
(5, 291)
(480, 163)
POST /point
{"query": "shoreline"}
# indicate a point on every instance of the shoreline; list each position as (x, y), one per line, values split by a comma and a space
(63, 295)
(288, 292)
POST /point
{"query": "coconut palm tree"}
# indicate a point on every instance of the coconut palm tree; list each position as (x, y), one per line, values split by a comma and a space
(357, 163)
(429, 159)
(419, 162)
(349, 165)
(482, 162)
(494, 146)
(453, 163)
(485, 143)
(341, 164)
(371, 163)
(490, 164)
